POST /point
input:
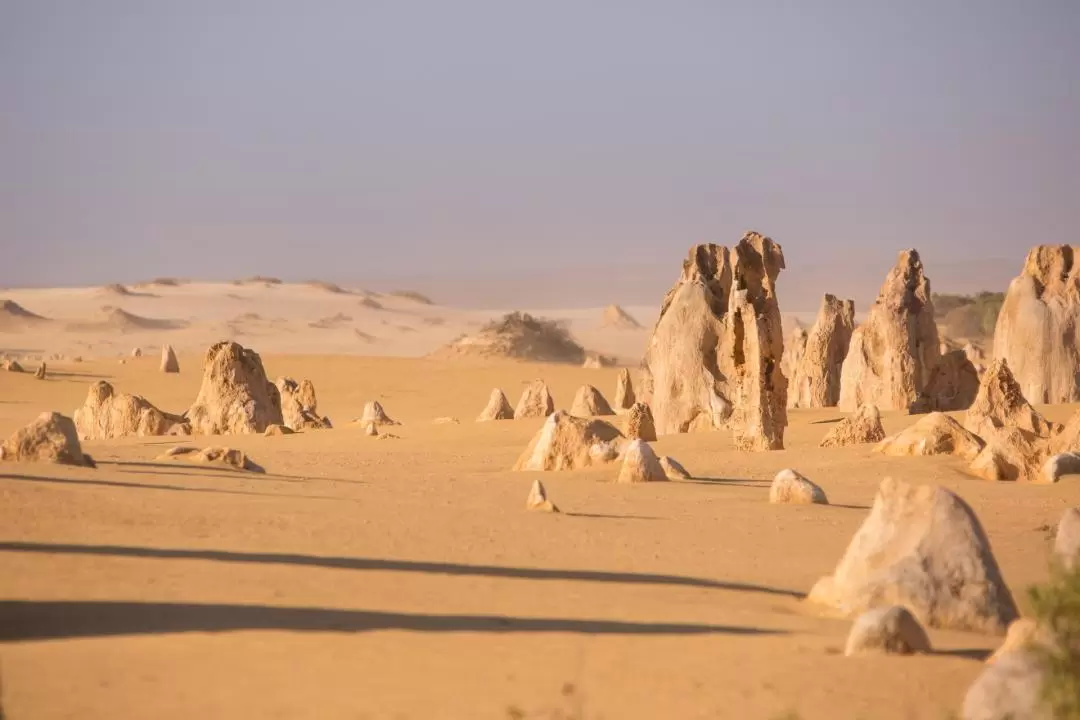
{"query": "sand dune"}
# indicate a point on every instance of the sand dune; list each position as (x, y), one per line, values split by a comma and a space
(117, 319)
(15, 318)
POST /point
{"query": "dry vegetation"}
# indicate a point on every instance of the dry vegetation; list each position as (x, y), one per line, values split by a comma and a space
(968, 316)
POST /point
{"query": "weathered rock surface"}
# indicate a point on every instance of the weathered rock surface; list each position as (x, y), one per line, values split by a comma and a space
(673, 469)
(1010, 454)
(51, 438)
(40, 372)
(107, 414)
(887, 630)
(13, 366)
(934, 434)
(862, 426)
(564, 443)
(1057, 466)
(953, 385)
(923, 548)
(616, 318)
(1038, 329)
(299, 407)
(169, 363)
(1000, 404)
(794, 349)
(639, 423)
(624, 391)
(227, 457)
(1067, 540)
(1008, 689)
(791, 488)
(892, 354)
(816, 378)
(535, 401)
(640, 464)
(235, 396)
(588, 402)
(497, 408)
(374, 414)
(538, 499)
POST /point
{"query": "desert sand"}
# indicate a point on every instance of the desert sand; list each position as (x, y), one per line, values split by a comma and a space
(405, 579)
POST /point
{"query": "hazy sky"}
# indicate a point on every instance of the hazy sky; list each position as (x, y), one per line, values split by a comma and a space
(368, 142)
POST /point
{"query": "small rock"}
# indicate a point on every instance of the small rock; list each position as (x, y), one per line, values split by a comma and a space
(640, 464)
(1060, 465)
(275, 429)
(40, 374)
(673, 469)
(538, 499)
(169, 363)
(1067, 542)
(639, 423)
(791, 488)
(890, 630)
(498, 408)
(446, 421)
(374, 413)
(371, 430)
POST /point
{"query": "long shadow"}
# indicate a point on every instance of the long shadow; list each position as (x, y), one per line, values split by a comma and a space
(79, 375)
(829, 421)
(977, 654)
(380, 564)
(159, 486)
(603, 516)
(196, 470)
(849, 507)
(22, 620)
(728, 481)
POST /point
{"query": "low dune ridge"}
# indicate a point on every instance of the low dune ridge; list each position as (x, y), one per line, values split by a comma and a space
(361, 335)
(163, 282)
(264, 280)
(331, 322)
(115, 318)
(412, 295)
(328, 287)
(371, 303)
(118, 290)
(14, 317)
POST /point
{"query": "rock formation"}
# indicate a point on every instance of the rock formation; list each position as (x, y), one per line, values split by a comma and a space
(228, 457)
(922, 548)
(934, 434)
(590, 403)
(953, 385)
(1038, 329)
(235, 396)
(863, 426)
(624, 391)
(136, 352)
(1067, 540)
(791, 488)
(51, 438)
(1010, 454)
(891, 355)
(565, 443)
(538, 499)
(375, 415)
(536, 401)
(169, 363)
(714, 356)
(40, 372)
(794, 349)
(1057, 466)
(13, 366)
(497, 408)
(816, 377)
(521, 336)
(1001, 404)
(639, 423)
(640, 464)
(888, 630)
(673, 469)
(109, 414)
(595, 361)
(299, 408)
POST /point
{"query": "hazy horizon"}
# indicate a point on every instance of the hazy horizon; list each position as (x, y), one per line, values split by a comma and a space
(495, 155)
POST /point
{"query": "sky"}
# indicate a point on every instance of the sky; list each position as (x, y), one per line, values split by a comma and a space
(563, 151)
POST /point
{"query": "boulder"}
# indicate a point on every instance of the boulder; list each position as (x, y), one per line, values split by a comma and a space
(107, 414)
(1001, 404)
(714, 356)
(40, 372)
(227, 457)
(1067, 540)
(624, 391)
(169, 363)
(497, 408)
(816, 378)
(1008, 689)
(588, 402)
(51, 438)
(934, 434)
(1022, 633)
(640, 464)
(953, 385)
(535, 401)
(1010, 454)
(1038, 328)
(538, 499)
(863, 426)
(13, 366)
(791, 488)
(299, 408)
(923, 548)
(275, 430)
(673, 469)
(887, 630)
(565, 442)
(1058, 466)
(1068, 440)
(639, 423)
(235, 396)
(892, 354)
(375, 415)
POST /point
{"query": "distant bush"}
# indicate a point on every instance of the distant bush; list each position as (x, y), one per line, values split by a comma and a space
(1056, 607)
(968, 316)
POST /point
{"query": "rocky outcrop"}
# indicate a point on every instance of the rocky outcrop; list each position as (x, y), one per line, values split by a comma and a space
(673, 469)
(1010, 454)
(624, 391)
(794, 349)
(375, 415)
(862, 426)
(953, 385)
(497, 408)
(1000, 404)
(1038, 329)
(714, 357)
(40, 372)
(934, 434)
(535, 401)
(922, 548)
(109, 414)
(538, 499)
(299, 408)
(588, 402)
(791, 488)
(639, 423)
(816, 379)
(235, 396)
(51, 438)
(892, 354)
(640, 464)
(1067, 539)
(169, 363)
(888, 631)
(567, 443)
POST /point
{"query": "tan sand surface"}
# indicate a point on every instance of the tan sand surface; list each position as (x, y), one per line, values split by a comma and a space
(362, 578)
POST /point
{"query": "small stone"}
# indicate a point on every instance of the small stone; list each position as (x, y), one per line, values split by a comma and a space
(889, 630)
(791, 488)
(640, 464)
(538, 499)
(673, 469)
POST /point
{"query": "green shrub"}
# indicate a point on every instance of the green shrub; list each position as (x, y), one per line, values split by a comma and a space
(1056, 606)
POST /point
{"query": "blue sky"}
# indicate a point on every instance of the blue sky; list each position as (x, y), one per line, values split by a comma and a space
(463, 143)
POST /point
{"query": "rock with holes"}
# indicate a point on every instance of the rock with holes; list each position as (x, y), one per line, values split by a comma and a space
(791, 488)
(639, 423)
(892, 354)
(169, 363)
(624, 391)
(235, 396)
(1000, 404)
(640, 464)
(816, 376)
(953, 385)
(923, 548)
(538, 499)
(673, 469)
(889, 631)
(564, 443)
(934, 434)
(588, 402)
(714, 358)
(51, 438)
(862, 426)
(535, 401)
(107, 414)
(497, 408)
(1038, 328)
(299, 408)
(375, 415)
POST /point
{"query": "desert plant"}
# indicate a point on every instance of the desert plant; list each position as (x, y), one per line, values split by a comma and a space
(1056, 607)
